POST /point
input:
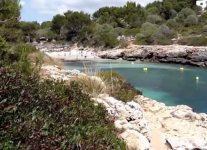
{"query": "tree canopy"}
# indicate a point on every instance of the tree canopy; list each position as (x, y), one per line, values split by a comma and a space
(177, 16)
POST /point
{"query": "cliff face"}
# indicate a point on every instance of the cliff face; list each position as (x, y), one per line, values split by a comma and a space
(167, 54)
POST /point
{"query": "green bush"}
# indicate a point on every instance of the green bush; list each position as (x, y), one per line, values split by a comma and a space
(191, 20)
(51, 115)
(172, 23)
(194, 41)
(105, 36)
(152, 34)
(3, 49)
(18, 57)
(203, 18)
(154, 19)
(146, 34)
(123, 43)
(183, 14)
(117, 86)
(132, 31)
(205, 28)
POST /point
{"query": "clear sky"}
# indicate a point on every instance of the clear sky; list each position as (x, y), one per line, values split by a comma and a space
(43, 10)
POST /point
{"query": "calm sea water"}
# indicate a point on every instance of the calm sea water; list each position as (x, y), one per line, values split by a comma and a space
(163, 82)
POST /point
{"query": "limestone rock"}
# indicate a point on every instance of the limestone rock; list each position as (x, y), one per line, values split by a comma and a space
(168, 54)
(135, 140)
(129, 121)
(177, 143)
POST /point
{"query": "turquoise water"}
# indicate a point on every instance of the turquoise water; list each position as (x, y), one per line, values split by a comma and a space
(162, 82)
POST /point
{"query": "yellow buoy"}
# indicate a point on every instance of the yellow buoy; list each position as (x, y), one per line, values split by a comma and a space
(181, 68)
(197, 78)
(145, 69)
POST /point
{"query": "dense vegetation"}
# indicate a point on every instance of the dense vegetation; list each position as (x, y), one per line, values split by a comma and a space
(166, 22)
(50, 115)
(44, 114)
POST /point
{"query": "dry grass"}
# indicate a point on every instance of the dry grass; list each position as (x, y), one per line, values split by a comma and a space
(89, 70)
(92, 85)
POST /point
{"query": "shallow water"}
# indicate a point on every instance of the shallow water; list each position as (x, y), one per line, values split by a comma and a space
(163, 82)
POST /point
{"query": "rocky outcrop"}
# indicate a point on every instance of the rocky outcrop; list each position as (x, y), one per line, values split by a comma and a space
(147, 124)
(56, 73)
(177, 143)
(167, 54)
(129, 122)
(180, 127)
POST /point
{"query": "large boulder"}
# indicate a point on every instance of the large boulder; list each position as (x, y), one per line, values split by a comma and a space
(135, 140)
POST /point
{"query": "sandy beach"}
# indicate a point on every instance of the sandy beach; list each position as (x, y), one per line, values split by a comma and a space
(74, 55)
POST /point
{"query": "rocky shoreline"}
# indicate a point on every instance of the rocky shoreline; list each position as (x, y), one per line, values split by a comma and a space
(188, 55)
(145, 124)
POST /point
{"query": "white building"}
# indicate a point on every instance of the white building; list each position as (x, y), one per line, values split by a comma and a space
(202, 3)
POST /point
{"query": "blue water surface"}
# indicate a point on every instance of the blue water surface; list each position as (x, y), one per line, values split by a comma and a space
(167, 83)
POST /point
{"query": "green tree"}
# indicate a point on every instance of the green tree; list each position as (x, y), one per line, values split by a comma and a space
(3, 47)
(154, 19)
(75, 21)
(29, 29)
(184, 13)
(146, 34)
(58, 23)
(130, 15)
(172, 23)
(104, 36)
(191, 20)
(9, 19)
(47, 33)
(9, 11)
(203, 18)
(46, 24)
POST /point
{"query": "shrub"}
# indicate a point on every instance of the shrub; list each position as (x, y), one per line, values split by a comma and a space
(92, 85)
(117, 86)
(123, 43)
(191, 20)
(203, 18)
(18, 57)
(172, 24)
(50, 115)
(205, 28)
(173, 13)
(160, 39)
(3, 49)
(148, 29)
(104, 36)
(166, 31)
(184, 13)
(146, 32)
(153, 10)
(133, 32)
(151, 34)
(194, 41)
(154, 19)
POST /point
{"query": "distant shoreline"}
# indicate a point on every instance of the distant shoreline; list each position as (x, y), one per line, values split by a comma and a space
(171, 54)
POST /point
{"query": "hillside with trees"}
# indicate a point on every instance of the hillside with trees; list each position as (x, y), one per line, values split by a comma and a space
(163, 23)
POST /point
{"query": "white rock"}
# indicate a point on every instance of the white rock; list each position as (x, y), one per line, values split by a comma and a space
(135, 140)
(177, 143)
